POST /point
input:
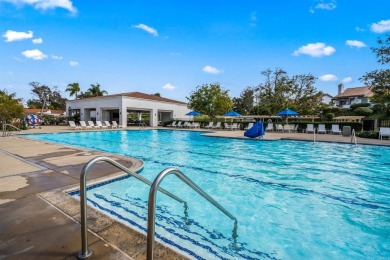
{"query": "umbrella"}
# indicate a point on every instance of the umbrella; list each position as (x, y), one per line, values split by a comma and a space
(32, 120)
(193, 113)
(287, 112)
(231, 113)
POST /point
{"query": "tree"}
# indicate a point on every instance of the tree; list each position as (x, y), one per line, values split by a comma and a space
(245, 103)
(379, 79)
(280, 91)
(45, 97)
(95, 90)
(10, 108)
(210, 99)
(73, 89)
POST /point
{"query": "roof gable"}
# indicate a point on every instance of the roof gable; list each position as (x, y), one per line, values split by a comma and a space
(355, 92)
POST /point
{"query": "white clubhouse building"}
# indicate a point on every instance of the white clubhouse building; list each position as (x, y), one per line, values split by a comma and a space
(119, 107)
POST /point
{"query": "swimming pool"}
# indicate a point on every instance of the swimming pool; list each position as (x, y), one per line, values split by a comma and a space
(292, 199)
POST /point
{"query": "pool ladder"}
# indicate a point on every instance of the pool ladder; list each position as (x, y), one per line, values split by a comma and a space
(5, 129)
(154, 187)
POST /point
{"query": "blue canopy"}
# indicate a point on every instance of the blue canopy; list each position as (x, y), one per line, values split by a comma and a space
(257, 130)
(231, 113)
(193, 113)
(287, 112)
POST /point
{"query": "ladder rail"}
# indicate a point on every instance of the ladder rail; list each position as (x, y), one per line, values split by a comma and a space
(353, 137)
(85, 252)
(5, 128)
(152, 206)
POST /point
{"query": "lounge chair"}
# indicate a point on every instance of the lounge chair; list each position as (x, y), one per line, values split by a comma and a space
(114, 124)
(72, 125)
(321, 129)
(234, 126)
(288, 128)
(336, 129)
(310, 128)
(227, 126)
(384, 131)
(210, 125)
(250, 125)
(179, 124)
(84, 125)
(92, 124)
(270, 127)
(100, 125)
(173, 124)
(107, 123)
(217, 126)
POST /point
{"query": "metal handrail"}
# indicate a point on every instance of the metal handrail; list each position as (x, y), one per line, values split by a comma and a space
(353, 137)
(314, 135)
(152, 206)
(5, 128)
(85, 252)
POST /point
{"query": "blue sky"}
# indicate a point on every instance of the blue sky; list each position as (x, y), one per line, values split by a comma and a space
(171, 47)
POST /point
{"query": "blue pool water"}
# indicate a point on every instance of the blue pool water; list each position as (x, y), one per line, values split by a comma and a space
(292, 199)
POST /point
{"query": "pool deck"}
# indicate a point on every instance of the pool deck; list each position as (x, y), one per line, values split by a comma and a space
(39, 220)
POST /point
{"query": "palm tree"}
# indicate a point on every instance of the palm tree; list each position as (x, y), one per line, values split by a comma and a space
(73, 89)
(95, 90)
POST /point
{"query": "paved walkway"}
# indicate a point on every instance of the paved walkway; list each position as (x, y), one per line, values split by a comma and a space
(38, 220)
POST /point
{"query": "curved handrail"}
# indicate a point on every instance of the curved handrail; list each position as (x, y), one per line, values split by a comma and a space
(5, 128)
(152, 205)
(85, 252)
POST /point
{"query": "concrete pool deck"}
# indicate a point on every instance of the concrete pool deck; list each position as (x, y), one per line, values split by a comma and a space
(38, 220)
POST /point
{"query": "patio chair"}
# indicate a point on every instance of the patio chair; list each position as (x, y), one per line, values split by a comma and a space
(321, 129)
(250, 125)
(288, 128)
(279, 128)
(227, 126)
(384, 131)
(270, 127)
(209, 126)
(179, 124)
(100, 125)
(336, 129)
(72, 125)
(310, 128)
(234, 126)
(217, 126)
(293, 128)
(114, 124)
(84, 125)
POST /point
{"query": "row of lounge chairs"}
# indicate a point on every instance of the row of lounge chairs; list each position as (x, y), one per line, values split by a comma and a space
(322, 130)
(91, 125)
(181, 124)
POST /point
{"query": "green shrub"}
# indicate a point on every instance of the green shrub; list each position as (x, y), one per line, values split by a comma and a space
(363, 111)
(329, 117)
(368, 134)
(354, 106)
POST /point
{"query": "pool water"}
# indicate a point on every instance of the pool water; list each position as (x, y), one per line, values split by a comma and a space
(292, 199)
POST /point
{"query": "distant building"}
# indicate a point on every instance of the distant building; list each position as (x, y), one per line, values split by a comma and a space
(345, 98)
(326, 98)
(38, 111)
(117, 107)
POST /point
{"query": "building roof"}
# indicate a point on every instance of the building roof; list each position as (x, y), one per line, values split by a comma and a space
(38, 110)
(141, 96)
(355, 92)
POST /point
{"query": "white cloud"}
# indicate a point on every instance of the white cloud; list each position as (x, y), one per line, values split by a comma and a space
(355, 43)
(146, 28)
(37, 40)
(328, 5)
(11, 36)
(318, 49)
(46, 4)
(73, 63)
(55, 57)
(211, 70)
(328, 77)
(169, 86)
(381, 27)
(347, 80)
(358, 29)
(34, 54)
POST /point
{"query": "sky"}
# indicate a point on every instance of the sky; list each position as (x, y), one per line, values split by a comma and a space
(171, 47)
